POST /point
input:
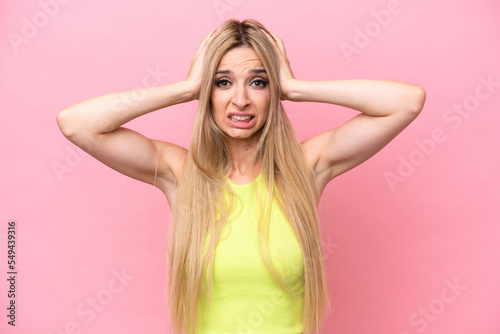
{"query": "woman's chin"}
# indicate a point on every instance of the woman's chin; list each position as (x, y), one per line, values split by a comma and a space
(241, 134)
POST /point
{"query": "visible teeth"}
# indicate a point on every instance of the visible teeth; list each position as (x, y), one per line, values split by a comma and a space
(240, 118)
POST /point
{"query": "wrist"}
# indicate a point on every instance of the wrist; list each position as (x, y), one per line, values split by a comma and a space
(291, 90)
(191, 90)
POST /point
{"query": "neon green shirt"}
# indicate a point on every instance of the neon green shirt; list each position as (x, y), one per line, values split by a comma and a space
(245, 297)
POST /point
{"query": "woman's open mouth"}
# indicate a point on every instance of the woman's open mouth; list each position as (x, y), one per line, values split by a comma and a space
(237, 118)
(241, 121)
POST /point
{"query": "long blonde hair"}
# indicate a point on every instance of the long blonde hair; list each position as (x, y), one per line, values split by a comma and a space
(200, 211)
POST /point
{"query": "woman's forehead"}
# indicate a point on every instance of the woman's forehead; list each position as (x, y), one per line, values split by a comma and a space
(240, 59)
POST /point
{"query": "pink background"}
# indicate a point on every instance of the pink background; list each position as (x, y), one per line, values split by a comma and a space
(419, 217)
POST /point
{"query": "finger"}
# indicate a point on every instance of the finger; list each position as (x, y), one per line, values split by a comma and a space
(268, 36)
(204, 41)
(208, 39)
(275, 38)
(277, 42)
(280, 43)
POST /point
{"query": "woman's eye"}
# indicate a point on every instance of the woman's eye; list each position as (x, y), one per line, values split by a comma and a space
(222, 83)
(260, 83)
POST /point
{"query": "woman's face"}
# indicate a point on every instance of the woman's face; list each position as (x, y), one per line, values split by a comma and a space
(241, 94)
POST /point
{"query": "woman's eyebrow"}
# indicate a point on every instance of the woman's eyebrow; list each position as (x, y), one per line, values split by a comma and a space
(259, 70)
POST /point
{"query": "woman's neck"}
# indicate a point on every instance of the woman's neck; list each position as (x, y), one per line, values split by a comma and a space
(244, 165)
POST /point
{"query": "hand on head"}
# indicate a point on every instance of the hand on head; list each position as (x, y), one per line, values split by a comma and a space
(196, 70)
(286, 77)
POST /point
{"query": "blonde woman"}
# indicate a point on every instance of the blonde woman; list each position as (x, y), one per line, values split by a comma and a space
(245, 253)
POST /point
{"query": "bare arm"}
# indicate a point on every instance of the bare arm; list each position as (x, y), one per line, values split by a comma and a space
(386, 107)
(95, 125)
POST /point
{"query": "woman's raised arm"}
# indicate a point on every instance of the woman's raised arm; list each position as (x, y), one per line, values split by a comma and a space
(95, 125)
(386, 107)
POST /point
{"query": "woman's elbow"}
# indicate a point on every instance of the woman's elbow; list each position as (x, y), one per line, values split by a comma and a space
(417, 100)
(64, 121)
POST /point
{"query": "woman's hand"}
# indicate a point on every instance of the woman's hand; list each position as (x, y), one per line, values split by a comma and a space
(286, 77)
(197, 63)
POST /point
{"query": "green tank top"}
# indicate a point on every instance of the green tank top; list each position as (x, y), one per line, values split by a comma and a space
(245, 297)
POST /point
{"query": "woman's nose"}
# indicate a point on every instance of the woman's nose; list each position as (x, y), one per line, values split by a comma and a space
(240, 97)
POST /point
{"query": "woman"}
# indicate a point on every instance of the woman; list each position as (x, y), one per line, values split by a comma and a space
(245, 251)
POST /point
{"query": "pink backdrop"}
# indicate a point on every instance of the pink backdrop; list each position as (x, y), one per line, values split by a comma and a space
(411, 237)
